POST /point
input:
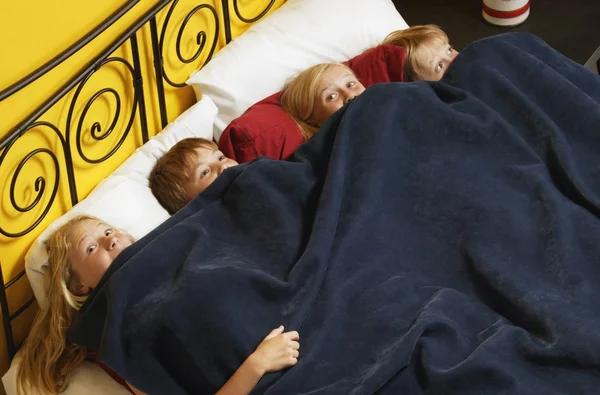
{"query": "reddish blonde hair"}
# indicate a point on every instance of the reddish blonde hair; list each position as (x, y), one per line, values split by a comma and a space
(171, 172)
(415, 40)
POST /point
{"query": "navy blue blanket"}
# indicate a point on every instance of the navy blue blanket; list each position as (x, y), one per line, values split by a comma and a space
(433, 238)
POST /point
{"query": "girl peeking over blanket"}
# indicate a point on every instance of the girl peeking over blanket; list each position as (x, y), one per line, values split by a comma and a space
(310, 99)
(428, 52)
(319, 91)
(79, 253)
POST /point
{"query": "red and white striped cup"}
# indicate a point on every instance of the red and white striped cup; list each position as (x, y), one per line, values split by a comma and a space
(505, 12)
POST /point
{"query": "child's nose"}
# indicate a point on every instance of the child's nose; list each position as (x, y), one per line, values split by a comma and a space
(222, 167)
(111, 242)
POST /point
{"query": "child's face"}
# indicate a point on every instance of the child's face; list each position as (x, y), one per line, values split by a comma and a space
(206, 167)
(338, 86)
(435, 58)
(95, 245)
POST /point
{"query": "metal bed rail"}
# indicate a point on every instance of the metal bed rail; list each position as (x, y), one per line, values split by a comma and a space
(97, 131)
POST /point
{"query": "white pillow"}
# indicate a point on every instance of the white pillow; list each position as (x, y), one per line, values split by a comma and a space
(299, 34)
(88, 379)
(124, 198)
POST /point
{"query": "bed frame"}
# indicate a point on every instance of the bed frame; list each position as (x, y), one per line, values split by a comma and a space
(75, 85)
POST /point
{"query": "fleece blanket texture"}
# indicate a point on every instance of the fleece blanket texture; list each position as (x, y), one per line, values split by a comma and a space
(433, 238)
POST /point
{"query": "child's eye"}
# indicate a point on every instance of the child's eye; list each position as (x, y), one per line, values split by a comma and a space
(331, 97)
(222, 157)
(439, 67)
(351, 84)
(450, 50)
(204, 173)
(90, 249)
(108, 232)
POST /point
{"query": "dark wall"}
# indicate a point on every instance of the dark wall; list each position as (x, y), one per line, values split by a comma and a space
(570, 26)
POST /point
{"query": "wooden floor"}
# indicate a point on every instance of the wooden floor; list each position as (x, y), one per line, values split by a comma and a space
(570, 26)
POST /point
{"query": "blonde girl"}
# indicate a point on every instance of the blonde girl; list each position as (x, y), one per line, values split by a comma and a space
(79, 253)
(47, 360)
(428, 52)
(316, 93)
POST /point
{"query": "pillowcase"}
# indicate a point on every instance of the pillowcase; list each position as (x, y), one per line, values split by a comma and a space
(299, 34)
(267, 130)
(124, 199)
(384, 63)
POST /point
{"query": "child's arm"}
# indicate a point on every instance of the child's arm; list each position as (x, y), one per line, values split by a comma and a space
(277, 351)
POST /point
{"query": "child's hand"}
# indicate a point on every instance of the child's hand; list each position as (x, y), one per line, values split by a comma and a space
(277, 351)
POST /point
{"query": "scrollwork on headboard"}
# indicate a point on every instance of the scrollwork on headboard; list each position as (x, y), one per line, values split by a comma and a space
(40, 182)
(236, 9)
(158, 45)
(201, 38)
(97, 132)
(51, 169)
(45, 167)
(96, 126)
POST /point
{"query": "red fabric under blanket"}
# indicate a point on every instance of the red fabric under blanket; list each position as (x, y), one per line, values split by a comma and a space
(265, 129)
(91, 356)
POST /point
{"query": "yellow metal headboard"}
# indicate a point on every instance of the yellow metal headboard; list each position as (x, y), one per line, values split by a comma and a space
(124, 83)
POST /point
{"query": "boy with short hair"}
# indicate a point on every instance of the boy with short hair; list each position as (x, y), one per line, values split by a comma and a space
(187, 169)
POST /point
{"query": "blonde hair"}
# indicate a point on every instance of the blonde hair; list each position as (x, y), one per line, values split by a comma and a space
(415, 40)
(47, 361)
(298, 97)
(171, 172)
